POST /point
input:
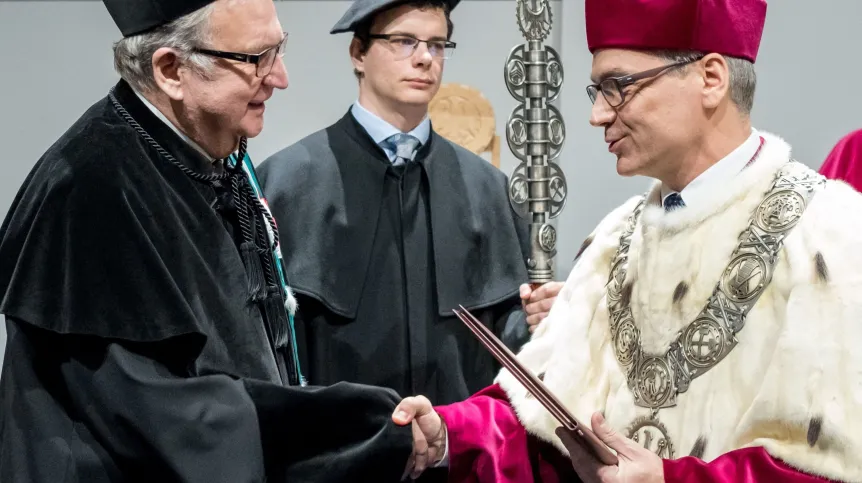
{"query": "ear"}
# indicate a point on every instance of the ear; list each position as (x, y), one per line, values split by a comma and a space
(716, 80)
(166, 71)
(357, 56)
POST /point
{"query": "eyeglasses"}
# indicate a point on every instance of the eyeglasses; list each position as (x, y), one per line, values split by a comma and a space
(613, 88)
(264, 60)
(404, 46)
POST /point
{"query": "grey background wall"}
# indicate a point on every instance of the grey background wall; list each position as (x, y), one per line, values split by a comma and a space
(56, 61)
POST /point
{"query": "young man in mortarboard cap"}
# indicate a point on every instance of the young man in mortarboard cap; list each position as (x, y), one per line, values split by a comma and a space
(714, 320)
(150, 334)
(403, 225)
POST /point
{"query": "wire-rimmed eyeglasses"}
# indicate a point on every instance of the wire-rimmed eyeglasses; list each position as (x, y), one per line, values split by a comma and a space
(612, 88)
(263, 61)
(404, 45)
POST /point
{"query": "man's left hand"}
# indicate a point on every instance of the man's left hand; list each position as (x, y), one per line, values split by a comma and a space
(636, 463)
(537, 303)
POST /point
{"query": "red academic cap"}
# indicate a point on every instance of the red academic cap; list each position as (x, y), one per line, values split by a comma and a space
(728, 27)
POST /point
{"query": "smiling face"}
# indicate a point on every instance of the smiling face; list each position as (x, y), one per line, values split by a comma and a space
(661, 119)
(389, 81)
(228, 102)
(233, 97)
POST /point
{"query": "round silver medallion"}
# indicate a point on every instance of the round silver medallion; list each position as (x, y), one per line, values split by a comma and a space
(654, 381)
(515, 73)
(744, 278)
(547, 238)
(558, 190)
(652, 435)
(519, 191)
(780, 211)
(626, 342)
(703, 343)
(554, 73)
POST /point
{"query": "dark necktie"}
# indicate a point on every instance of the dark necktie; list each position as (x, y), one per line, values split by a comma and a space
(673, 202)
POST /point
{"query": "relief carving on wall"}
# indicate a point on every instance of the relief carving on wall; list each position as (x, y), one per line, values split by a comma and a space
(463, 115)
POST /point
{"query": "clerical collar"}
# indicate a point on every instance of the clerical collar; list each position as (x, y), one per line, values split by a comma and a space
(171, 125)
(380, 130)
(718, 174)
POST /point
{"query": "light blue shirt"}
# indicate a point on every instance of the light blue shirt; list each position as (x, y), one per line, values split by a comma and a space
(380, 130)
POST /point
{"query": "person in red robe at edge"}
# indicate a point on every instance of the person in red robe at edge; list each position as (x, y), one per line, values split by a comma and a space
(845, 160)
(709, 330)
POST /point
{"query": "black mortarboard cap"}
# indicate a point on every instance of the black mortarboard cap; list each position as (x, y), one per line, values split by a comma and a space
(361, 10)
(138, 16)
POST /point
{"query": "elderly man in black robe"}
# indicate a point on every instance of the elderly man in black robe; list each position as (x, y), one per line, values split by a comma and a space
(150, 325)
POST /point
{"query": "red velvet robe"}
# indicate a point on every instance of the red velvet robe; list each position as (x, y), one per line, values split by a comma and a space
(788, 387)
(487, 443)
(844, 160)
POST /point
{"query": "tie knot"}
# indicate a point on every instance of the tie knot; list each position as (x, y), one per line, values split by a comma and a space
(673, 201)
(404, 145)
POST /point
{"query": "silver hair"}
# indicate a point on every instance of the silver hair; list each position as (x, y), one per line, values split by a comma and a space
(743, 78)
(133, 56)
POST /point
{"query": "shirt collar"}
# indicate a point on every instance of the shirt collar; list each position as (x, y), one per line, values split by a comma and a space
(165, 120)
(380, 130)
(717, 174)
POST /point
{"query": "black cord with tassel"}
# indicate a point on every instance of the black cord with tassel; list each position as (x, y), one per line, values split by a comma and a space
(264, 287)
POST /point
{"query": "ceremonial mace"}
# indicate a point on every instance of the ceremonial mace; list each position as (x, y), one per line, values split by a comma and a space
(535, 133)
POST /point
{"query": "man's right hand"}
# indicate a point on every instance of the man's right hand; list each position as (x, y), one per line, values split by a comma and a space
(537, 303)
(429, 433)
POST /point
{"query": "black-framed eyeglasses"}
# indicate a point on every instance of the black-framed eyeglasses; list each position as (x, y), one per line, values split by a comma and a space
(613, 88)
(264, 60)
(404, 45)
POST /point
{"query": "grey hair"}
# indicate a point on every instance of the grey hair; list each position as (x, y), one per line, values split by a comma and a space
(133, 56)
(743, 78)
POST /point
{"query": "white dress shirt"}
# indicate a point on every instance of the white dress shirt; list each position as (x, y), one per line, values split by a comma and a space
(181, 134)
(719, 173)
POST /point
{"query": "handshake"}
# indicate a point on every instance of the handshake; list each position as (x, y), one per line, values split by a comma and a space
(429, 430)
(429, 434)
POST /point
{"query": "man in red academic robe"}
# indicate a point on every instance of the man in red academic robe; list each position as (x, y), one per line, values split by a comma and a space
(709, 332)
(845, 160)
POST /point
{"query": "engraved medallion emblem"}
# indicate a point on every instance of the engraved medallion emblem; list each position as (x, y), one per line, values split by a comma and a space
(534, 19)
(516, 72)
(780, 211)
(626, 342)
(618, 275)
(548, 238)
(652, 435)
(703, 343)
(654, 381)
(744, 278)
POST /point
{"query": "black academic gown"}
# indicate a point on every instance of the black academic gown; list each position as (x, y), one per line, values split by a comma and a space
(381, 255)
(134, 353)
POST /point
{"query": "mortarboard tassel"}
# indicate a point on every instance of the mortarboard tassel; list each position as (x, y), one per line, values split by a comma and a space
(253, 270)
(273, 306)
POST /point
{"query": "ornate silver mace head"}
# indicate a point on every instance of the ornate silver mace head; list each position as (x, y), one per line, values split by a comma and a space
(536, 133)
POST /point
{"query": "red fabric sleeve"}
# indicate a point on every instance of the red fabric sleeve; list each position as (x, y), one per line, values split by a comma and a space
(488, 444)
(745, 465)
(844, 162)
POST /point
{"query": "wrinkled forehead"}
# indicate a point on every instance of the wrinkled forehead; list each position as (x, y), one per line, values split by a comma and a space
(619, 62)
(245, 25)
